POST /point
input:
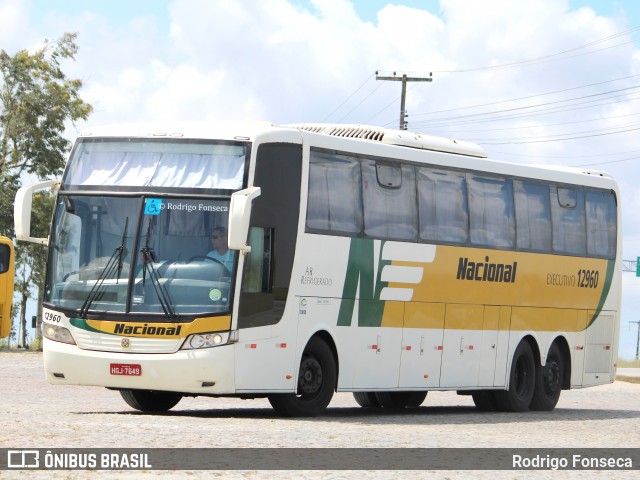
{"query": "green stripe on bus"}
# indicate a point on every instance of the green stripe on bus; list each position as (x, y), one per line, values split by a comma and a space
(82, 324)
(611, 264)
(360, 271)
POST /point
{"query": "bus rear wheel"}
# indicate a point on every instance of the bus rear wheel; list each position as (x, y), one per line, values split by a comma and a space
(317, 381)
(150, 400)
(549, 380)
(401, 399)
(522, 380)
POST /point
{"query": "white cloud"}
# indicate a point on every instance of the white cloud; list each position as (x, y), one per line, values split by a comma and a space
(14, 21)
(187, 93)
(292, 61)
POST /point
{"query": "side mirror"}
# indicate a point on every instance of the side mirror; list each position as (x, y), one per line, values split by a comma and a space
(22, 210)
(239, 215)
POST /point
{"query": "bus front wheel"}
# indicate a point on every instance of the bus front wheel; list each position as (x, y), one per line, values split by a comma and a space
(317, 379)
(485, 400)
(522, 380)
(366, 399)
(401, 399)
(150, 400)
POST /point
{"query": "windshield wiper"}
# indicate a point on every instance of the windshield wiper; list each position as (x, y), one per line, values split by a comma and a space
(147, 264)
(114, 265)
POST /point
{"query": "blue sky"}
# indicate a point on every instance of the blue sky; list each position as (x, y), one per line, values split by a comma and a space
(531, 81)
(119, 11)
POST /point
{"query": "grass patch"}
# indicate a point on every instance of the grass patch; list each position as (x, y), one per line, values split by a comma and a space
(623, 378)
(628, 363)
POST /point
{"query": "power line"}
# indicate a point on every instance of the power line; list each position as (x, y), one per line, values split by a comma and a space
(404, 79)
(544, 58)
(387, 106)
(512, 64)
(548, 111)
(348, 98)
(611, 154)
(565, 134)
(608, 162)
(528, 63)
(528, 107)
(360, 103)
(557, 139)
(382, 109)
(635, 155)
(540, 125)
(528, 97)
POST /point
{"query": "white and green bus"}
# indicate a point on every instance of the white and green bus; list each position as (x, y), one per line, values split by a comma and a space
(379, 262)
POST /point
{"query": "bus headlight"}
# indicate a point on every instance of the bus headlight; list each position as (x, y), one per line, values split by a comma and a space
(57, 333)
(208, 340)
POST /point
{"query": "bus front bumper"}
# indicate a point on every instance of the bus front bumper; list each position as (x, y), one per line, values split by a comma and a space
(207, 371)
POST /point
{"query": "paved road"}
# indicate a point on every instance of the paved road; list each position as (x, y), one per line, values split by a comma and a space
(629, 372)
(35, 414)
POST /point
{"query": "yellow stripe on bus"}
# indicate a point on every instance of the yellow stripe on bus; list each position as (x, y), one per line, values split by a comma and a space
(158, 329)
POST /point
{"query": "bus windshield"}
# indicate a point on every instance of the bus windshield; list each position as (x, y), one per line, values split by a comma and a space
(139, 255)
(134, 225)
(155, 163)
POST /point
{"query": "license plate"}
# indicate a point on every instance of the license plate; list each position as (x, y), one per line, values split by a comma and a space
(126, 369)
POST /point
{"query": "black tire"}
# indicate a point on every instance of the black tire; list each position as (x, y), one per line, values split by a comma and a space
(151, 400)
(485, 400)
(366, 399)
(401, 399)
(522, 380)
(317, 381)
(549, 380)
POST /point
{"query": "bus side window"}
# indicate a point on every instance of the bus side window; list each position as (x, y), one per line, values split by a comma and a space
(389, 198)
(568, 219)
(442, 205)
(258, 305)
(257, 265)
(334, 194)
(533, 216)
(5, 257)
(491, 212)
(601, 223)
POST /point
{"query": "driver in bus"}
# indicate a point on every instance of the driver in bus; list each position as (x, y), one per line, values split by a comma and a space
(221, 251)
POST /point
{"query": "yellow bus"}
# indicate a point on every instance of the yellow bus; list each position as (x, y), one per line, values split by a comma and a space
(290, 262)
(7, 265)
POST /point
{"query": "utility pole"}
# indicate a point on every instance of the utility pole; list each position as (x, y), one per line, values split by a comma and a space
(404, 79)
(638, 341)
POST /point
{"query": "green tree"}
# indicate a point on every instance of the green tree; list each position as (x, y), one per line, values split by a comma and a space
(36, 100)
